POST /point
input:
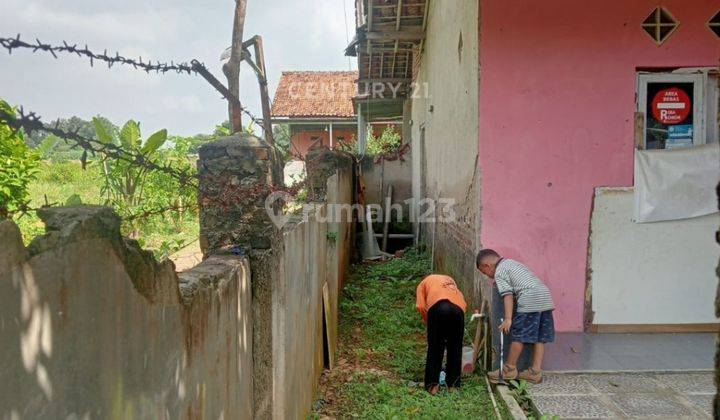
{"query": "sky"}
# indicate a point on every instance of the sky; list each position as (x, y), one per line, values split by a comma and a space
(297, 35)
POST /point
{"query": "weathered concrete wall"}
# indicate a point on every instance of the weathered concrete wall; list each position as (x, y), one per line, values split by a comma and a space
(378, 176)
(638, 270)
(93, 327)
(297, 268)
(237, 173)
(315, 252)
(716, 400)
(445, 156)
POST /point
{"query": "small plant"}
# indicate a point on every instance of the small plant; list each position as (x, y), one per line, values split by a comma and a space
(331, 237)
(18, 167)
(520, 391)
(388, 142)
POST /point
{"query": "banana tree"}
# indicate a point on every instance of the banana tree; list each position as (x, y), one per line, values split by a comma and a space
(125, 181)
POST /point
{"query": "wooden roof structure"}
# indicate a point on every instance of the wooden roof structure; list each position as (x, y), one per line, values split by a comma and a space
(387, 44)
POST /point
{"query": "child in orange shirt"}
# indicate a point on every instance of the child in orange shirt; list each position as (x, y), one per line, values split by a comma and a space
(442, 307)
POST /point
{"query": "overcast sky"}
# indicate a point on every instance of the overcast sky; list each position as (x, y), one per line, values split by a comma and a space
(298, 35)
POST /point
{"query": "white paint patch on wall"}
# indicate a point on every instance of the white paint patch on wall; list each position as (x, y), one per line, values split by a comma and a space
(650, 273)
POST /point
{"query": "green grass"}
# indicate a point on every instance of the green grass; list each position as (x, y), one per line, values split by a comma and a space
(58, 181)
(383, 336)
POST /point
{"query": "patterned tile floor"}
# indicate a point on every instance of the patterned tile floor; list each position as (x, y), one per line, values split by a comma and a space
(626, 395)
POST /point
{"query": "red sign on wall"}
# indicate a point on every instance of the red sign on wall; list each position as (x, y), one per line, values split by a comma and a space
(671, 106)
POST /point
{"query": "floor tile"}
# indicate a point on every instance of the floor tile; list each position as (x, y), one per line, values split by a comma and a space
(573, 406)
(688, 383)
(554, 384)
(651, 405)
(702, 403)
(622, 383)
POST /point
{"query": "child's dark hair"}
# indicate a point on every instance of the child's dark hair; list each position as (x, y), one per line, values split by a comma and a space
(484, 253)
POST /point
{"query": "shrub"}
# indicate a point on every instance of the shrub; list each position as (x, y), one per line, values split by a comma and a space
(19, 166)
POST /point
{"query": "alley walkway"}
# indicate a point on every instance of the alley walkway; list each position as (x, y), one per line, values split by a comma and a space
(379, 371)
(626, 395)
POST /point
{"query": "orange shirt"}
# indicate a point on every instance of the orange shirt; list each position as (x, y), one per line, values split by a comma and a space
(433, 289)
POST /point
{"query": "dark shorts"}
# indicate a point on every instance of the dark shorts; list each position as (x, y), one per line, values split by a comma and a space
(533, 327)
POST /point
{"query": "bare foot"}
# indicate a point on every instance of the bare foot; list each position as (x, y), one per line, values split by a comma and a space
(434, 389)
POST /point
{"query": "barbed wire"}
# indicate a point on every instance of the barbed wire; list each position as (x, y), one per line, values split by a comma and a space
(144, 214)
(30, 122)
(16, 43)
(193, 67)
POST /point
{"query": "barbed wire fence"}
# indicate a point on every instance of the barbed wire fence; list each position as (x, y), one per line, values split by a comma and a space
(29, 121)
(194, 67)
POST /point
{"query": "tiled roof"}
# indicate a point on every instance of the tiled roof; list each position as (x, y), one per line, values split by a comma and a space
(315, 94)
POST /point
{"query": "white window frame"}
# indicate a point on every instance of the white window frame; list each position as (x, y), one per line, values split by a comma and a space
(700, 106)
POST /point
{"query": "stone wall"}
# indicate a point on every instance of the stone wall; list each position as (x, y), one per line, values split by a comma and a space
(94, 327)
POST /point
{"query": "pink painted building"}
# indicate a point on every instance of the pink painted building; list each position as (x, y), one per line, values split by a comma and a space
(558, 85)
(532, 116)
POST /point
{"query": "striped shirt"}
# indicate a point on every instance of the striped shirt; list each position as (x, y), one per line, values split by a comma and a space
(512, 277)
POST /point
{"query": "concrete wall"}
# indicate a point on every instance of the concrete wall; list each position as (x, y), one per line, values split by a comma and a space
(298, 267)
(650, 273)
(445, 164)
(314, 257)
(378, 176)
(94, 327)
(557, 97)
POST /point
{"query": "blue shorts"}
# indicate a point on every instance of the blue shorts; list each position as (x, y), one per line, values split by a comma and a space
(533, 327)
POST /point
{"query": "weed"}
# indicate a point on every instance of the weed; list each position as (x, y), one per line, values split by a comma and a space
(382, 342)
(331, 237)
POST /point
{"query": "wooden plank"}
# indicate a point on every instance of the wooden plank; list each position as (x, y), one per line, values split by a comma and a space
(407, 65)
(399, 14)
(406, 35)
(655, 328)
(386, 214)
(382, 63)
(426, 11)
(397, 235)
(385, 80)
(512, 405)
(370, 15)
(330, 333)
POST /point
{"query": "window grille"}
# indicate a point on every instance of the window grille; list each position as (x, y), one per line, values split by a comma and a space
(660, 24)
(714, 24)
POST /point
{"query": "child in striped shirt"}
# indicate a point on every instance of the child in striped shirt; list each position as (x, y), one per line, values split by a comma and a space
(530, 323)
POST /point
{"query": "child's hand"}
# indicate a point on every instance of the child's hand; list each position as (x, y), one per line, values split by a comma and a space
(505, 326)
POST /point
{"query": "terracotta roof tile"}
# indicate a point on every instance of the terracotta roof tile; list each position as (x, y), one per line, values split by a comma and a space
(315, 94)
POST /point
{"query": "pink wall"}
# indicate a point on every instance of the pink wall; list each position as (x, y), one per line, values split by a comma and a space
(557, 96)
(302, 141)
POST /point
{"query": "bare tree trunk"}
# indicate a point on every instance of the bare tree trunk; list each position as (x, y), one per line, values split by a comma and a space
(232, 67)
